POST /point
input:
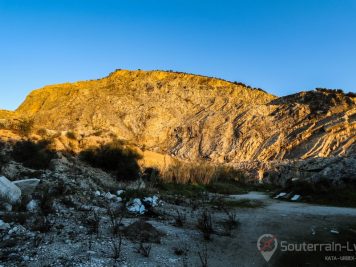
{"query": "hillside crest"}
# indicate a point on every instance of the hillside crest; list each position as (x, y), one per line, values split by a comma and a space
(195, 117)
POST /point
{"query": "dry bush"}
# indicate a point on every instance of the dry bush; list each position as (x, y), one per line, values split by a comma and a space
(199, 173)
(205, 225)
(116, 247)
(93, 223)
(144, 250)
(203, 256)
(115, 215)
(180, 219)
(42, 224)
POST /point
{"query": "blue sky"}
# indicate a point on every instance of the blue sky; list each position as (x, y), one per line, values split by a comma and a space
(281, 46)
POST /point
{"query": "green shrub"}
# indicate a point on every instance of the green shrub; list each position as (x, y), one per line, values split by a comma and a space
(115, 158)
(33, 155)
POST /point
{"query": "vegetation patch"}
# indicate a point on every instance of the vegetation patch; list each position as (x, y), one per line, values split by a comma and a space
(325, 193)
(236, 203)
(33, 155)
(185, 190)
(114, 158)
(227, 188)
(343, 198)
(200, 173)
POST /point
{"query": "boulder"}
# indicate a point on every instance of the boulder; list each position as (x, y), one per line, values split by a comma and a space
(27, 186)
(9, 192)
(142, 231)
(136, 206)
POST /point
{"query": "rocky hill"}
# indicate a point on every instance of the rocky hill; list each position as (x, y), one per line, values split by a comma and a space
(195, 117)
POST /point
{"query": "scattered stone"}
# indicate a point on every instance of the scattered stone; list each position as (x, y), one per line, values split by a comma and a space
(335, 232)
(17, 230)
(313, 231)
(97, 193)
(27, 186)
(32, 206)
(152, 201)
(280, 195)
(9, 192)
(295, 198)
(14, 170)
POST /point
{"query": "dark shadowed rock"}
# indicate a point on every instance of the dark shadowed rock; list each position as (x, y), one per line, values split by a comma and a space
(142, 231)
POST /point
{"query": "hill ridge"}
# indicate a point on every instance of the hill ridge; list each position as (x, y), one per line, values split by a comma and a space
(195, 117)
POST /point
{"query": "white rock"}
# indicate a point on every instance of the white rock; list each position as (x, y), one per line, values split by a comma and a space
(295, 198)
(313, 231)
(119, 199)
(32, 206)
(109, 196)
(280, 195)
(8, 191)
(136, 206)
(97, 193)
(335, 232)
(153, 201)
(27, 186)
(119, 192)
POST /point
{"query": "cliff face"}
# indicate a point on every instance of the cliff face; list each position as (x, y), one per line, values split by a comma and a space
(191, 117)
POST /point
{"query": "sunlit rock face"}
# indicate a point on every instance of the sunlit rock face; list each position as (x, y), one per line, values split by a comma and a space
(195, 117)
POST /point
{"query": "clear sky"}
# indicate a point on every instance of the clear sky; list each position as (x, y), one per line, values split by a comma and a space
(282, 46)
